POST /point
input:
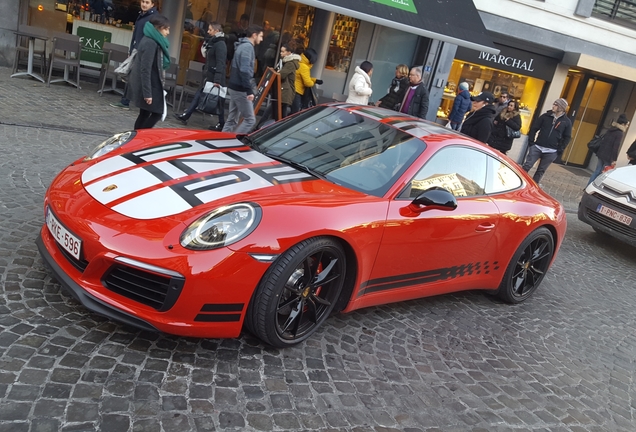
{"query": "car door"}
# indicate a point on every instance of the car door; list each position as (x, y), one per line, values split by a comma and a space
(439, 251)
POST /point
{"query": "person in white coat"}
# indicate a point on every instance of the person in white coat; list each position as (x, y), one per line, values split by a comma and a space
(360, 84)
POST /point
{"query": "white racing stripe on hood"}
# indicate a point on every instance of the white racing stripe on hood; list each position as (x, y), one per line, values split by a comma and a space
(126, 182)
(158, 203)
(105, 167)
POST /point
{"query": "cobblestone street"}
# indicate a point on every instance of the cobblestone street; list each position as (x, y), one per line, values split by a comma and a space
(562, 361)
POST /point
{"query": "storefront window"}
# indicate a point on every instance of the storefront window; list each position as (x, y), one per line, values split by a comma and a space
(343, 40)
(524, 89)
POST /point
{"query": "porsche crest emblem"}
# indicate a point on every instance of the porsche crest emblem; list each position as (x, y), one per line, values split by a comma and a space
(110, 188)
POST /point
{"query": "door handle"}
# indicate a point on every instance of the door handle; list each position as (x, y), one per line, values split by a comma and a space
(485, 227)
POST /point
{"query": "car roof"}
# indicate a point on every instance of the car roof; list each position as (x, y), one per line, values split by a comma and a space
(409, 124)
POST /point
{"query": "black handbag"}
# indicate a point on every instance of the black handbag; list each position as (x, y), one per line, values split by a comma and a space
(209, 102)
(511, 133)
(595, 143)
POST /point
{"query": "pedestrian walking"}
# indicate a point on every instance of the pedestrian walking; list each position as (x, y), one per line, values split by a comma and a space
(360, 84)
(393, 99)
(610, 144)
(242, 86)
(214, 71)
(461, 105)
(507, 119)
(147, 77)
(148, 9)
(304, 81)
(478, 124)
(415, 101)
(554, 130)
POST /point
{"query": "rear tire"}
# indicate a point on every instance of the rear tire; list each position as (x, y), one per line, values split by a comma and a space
(297, 293)
(527, 267)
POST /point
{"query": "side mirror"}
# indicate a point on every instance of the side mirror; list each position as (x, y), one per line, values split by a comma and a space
(435, 198)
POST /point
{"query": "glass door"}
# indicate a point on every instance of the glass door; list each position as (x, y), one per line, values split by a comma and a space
(589, 111)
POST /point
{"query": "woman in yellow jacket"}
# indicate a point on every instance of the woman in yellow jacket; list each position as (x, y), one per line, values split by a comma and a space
(304, 80)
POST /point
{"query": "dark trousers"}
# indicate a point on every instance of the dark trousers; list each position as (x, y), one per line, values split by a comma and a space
(534, 154)
(147, 119)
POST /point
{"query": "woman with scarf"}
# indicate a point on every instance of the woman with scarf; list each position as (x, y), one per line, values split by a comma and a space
(508, 118)
(147, 77)
(360, 84)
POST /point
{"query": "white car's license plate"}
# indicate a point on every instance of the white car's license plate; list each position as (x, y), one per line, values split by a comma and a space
(618, 216)
(64, 238)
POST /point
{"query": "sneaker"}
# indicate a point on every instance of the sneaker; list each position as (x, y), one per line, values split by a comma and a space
(218, 127)
(120, 105)
(181, 117)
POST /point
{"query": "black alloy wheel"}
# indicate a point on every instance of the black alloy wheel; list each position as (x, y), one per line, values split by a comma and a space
(527, 267)
(298, 292)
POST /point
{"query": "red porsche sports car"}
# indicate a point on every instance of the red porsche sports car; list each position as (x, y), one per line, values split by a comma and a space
(337, 208)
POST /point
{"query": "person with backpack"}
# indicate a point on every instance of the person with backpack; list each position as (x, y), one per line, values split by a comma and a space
(607, 153)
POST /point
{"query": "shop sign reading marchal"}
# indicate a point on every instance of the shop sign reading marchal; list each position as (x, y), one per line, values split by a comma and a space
(516, 63)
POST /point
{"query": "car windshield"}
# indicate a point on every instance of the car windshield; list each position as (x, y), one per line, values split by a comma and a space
(344, 147)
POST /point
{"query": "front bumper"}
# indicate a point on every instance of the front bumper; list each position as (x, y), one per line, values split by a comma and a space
(588, 213)
(90, 302)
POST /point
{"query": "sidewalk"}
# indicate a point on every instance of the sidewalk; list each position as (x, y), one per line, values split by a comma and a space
(27, 102)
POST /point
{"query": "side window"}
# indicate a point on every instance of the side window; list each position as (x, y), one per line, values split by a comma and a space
(501, 177)
(461, 170)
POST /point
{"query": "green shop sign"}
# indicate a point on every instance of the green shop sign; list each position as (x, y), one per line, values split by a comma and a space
(92, 43)
(406, 5)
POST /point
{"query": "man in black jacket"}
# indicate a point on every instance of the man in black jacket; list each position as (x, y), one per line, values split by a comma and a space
(416, 98)
(478, 124)
(555, 132)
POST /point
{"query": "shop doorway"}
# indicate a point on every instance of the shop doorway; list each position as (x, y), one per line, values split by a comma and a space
(590, 96)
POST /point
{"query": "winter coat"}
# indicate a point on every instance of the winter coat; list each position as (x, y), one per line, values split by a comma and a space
(499, 136)
(394, 97)
(215, 57)
(478, 124)
(419, 103)
(242, 71)
(611, 143)
(553, 133)
(461, 106)
(303, 79)
(146, 77)
(359, 88)
(140, 22)
(631, 153)
(288, 78)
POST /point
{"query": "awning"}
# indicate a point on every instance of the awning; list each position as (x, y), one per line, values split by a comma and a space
(453, 21)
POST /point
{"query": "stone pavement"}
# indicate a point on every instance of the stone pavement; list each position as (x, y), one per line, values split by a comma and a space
(562, 361)
(28, 102)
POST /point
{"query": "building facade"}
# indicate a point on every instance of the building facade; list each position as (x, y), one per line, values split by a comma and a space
(536, 50)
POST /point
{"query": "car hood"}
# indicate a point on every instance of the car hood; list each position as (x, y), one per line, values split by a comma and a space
(188, 177)
(622, 180)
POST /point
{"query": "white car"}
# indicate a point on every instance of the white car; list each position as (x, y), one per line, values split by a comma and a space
(609, 204)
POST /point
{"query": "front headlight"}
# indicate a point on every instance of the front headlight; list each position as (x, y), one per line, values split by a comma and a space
(598, 181)
(110, 144)
(222, 227)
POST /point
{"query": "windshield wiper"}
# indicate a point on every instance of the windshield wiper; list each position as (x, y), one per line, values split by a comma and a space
(248, 141)
(296, 165)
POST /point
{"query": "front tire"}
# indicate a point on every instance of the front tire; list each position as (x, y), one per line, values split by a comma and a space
(527, 267)
(297, 293)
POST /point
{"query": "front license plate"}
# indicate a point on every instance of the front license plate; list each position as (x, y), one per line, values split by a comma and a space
(617, 216)
(64, 238)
